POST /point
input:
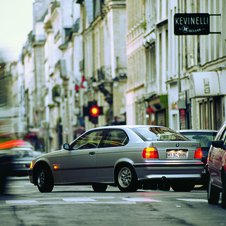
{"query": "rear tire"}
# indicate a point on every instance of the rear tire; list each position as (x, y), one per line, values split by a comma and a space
(126, 179)
(99, 187)
(44, 179)
(164, 186)
(183, 185)
(223, 198)
(213, 194)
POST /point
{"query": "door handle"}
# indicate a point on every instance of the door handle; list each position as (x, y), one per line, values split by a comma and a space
(92, 153)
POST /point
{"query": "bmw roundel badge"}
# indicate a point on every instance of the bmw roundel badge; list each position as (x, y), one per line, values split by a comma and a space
(177, 145)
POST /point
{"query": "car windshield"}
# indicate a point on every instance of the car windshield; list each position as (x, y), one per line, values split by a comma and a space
(17, 153)
(203, 138)
(158, 134)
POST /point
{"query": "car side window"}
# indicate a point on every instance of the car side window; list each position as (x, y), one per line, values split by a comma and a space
(115, 138)
(88, 140)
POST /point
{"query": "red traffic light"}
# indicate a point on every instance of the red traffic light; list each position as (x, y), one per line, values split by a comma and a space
(94, 111)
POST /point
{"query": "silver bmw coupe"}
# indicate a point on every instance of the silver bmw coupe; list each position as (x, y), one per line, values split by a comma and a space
(130, 157)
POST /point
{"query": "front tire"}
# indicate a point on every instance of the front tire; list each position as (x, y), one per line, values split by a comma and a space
(213, 194)
(44, 179)
(2, 184)
(99, 187)
(126, 179)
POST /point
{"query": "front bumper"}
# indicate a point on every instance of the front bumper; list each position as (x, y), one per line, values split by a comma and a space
(30, 174)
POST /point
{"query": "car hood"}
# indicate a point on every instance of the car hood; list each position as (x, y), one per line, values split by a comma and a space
(50, 154)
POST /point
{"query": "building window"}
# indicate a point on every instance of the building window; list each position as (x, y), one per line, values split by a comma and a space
(201, 115)
(150, 63)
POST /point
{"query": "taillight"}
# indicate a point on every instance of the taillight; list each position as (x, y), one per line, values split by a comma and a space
(150, 153)
(198, 153)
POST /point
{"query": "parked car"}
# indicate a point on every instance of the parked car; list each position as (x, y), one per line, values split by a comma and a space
(205, 138)
(125, 156)
(216, 165)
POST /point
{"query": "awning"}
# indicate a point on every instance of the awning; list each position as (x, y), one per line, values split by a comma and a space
(204, 84)
(158, 107)
(30, 135)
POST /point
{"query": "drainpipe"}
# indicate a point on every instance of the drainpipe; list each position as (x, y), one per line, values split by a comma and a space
(178, 79)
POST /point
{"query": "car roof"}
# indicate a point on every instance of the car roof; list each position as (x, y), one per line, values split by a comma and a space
(197, 130)
(126, 126)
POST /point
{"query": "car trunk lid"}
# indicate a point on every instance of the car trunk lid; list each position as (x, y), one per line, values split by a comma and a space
(171, 150)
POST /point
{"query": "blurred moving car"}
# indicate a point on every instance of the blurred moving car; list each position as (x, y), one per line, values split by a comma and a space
(216, 165)
(5, 168)
(205, 138)
(126, 156)
(22, 154)
(22, 158)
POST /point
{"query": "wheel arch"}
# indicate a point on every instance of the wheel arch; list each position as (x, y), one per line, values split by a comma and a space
(120, 163)
(38, 165)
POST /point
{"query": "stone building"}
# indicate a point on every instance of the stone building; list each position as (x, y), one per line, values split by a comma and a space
(175, 80)
(104, 66)
(147, 58)
(196, 73)
(125, 57)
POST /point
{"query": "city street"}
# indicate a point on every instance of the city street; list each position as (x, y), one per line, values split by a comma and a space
(23, 204)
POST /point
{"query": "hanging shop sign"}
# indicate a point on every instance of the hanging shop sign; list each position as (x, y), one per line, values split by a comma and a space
(191, 24)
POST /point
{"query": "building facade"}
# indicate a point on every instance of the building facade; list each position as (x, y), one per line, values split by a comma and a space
(124, 57)
(104, 66)
(196, 69)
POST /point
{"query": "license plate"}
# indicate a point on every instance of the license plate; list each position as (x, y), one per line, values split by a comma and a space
(177, 154)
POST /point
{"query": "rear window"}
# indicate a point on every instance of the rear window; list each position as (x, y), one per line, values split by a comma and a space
(158, 134)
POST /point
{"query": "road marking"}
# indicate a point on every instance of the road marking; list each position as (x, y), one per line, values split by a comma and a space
(16, 186)
(20, 201)
(102, 197)
(78, 199)
(81, 200)
(90, 200)
(193, 200)
(140, 200)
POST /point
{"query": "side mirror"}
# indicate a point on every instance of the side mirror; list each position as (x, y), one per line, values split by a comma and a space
(66, 146)
(218, 143)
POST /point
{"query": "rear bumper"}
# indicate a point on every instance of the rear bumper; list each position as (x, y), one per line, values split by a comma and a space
(169, 170)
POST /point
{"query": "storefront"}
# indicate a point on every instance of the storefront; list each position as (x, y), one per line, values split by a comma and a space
(207, 101)
(157, 110)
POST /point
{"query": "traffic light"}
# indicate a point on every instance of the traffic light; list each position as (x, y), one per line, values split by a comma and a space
(116, 122)
(94, 112)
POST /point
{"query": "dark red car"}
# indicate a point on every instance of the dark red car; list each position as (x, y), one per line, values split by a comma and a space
(216, 165)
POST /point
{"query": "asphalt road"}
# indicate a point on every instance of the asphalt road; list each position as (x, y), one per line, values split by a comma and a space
(23, 204)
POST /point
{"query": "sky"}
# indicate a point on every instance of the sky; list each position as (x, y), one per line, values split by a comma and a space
(16, 18)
